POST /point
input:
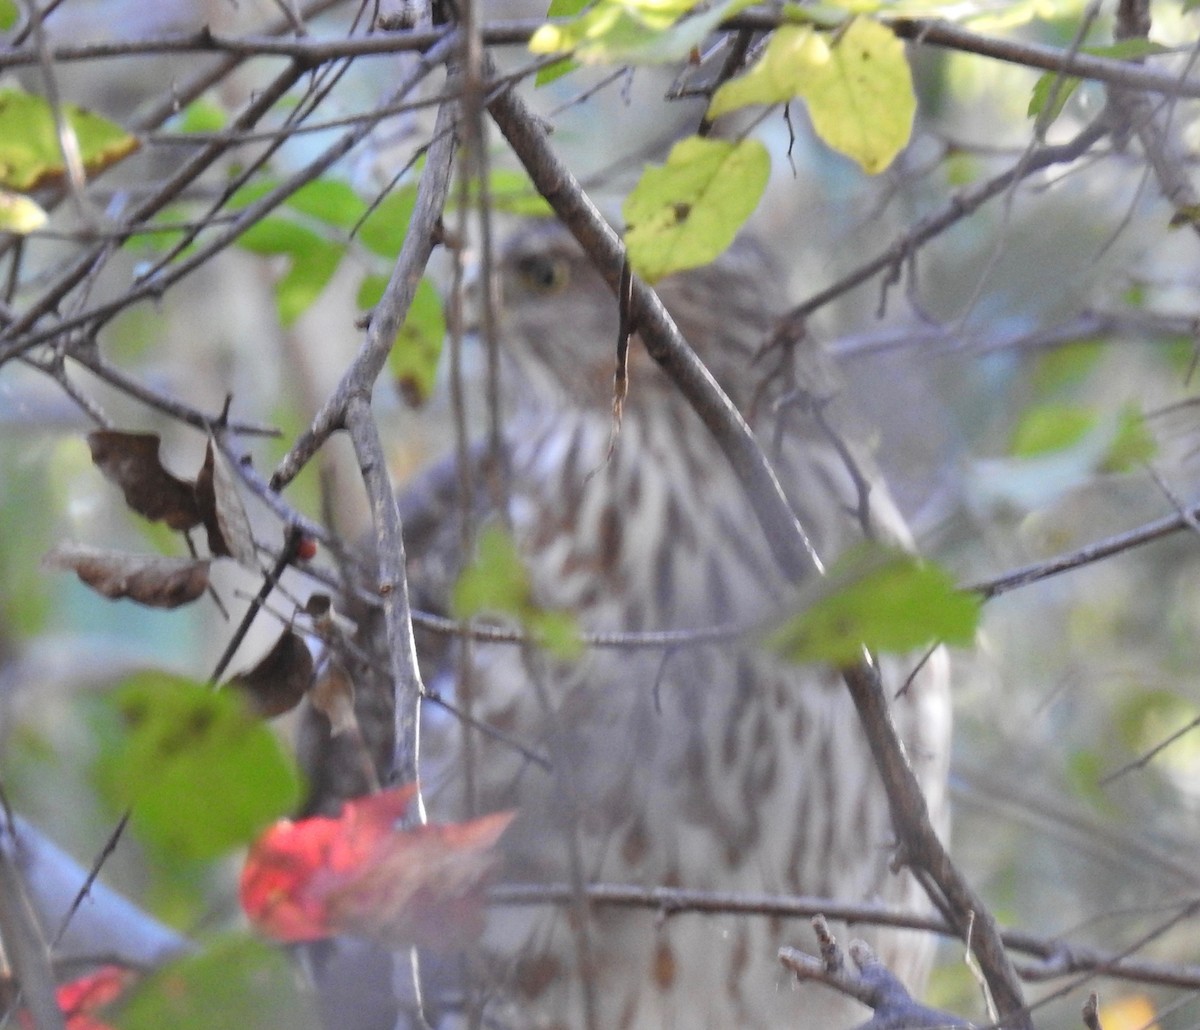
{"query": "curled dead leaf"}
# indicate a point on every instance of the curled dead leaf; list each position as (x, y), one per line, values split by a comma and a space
(152, 580)
(333, 696)
(131, 461)
(221, 510)
(277, 683)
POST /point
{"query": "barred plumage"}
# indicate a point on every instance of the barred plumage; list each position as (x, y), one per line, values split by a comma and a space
(712, 766)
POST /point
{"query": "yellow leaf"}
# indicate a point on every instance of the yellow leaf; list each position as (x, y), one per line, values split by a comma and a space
(856, 82)
(1133, 1012)
(19, 214)
(633, 31)
(685, 213)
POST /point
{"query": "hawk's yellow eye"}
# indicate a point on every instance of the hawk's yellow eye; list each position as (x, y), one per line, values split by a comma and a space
(543, 273)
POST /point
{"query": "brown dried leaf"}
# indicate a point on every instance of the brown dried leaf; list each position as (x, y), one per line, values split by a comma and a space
(221, 510)
(152, 580)
(425, 889)
(333, 697)
(130, 460)
(277, 683)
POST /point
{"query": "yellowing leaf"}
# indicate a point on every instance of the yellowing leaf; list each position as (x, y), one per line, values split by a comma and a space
(633, 31)
(856, 82)
(880, 598)
(30, 155)
(413, 359)
(686, 212)
(19, 214)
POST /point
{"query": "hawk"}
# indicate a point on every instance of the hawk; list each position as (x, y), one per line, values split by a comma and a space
(708, 764)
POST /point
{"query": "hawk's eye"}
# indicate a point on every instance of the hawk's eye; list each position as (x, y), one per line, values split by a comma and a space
(543, 273)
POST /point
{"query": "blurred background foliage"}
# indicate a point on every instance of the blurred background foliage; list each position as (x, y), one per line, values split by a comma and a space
(1030, 378)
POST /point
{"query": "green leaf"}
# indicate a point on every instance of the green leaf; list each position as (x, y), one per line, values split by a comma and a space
(413, 359)
(558, 633)
(30, 155)
(331, 201)
(509, 191)
(383, 231)
(370, 291)
(29, 475)
(560, 9)
(496, 583)
(886, 600)
(1146, 718)
(1133, 446)
(1044, 90)
(304, 281)
(512, 192)
(236, 981)
(565, 8)
(633, 31)
(201, 774)
(203, 116)
(10, 14)
(856, 82)
(312, 262)
(313, 252)
(1121, 443)
(686, 212)
(1051, 427)
(19, 214)
(1066, 366)
(1085, 768)
(554, 72)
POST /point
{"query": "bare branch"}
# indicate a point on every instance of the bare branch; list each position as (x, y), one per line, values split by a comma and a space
(790, 546)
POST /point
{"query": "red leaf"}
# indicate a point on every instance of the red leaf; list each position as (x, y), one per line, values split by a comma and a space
(82, 998)
(277, 889)
(358, 874)
(426, 889)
